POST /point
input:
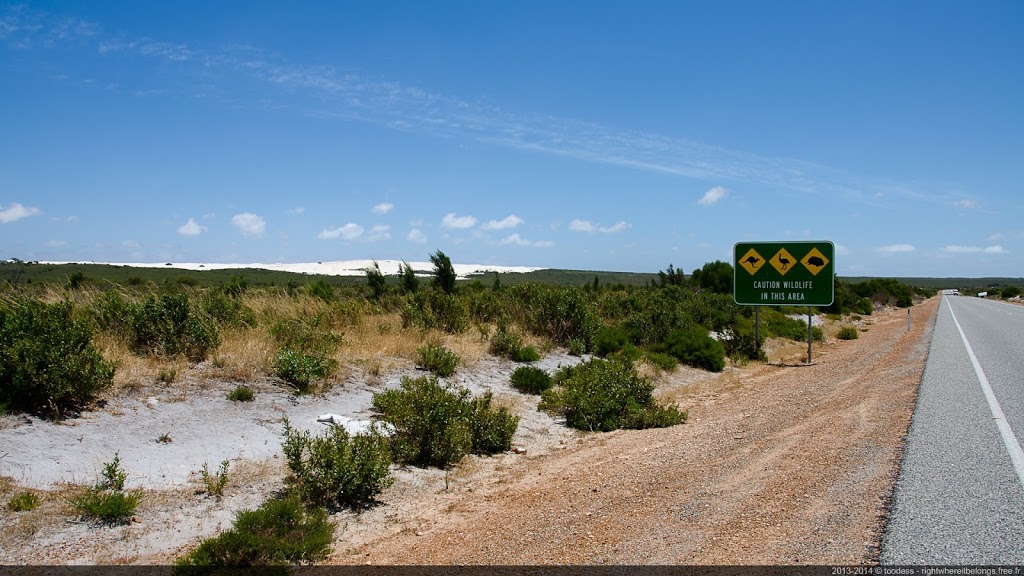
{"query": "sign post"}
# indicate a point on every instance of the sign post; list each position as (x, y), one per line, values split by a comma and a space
(784, 274)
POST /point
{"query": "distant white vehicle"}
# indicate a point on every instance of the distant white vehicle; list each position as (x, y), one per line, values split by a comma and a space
(953, 292)
(982, 294)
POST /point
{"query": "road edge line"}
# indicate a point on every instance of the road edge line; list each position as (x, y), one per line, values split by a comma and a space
(1009, 439)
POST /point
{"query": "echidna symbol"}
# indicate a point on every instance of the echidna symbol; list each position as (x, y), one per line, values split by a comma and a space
(815, 261)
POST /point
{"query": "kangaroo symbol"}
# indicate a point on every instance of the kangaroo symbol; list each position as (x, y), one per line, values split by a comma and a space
(752, 260)
(783, 261)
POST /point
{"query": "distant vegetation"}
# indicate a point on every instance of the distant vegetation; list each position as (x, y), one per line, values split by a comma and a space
(66, 327)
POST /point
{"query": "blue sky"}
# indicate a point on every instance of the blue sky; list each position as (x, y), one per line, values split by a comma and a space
(572, 134)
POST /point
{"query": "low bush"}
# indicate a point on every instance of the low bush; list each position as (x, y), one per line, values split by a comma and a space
(48, 363)
(436, 424)
(577, 347)
(172, 325)
(106, 501)
(278, 532)
(23, 502)
(695, 347)
(530, 380)
(106, 506)
(526, 354)
(242, 393)
(664, 362)
(302, 370)
(437, 359)
(506, 343)
(609, 341)
(336, 469)
(605, 395)
(847, 333)
(214, 484)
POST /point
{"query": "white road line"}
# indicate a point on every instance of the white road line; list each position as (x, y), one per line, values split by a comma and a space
(1012, 445)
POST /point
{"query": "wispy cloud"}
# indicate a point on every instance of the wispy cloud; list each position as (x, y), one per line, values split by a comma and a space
(249, 224)
(379, 232)
(967, 204)
(16, 212)
(349, 231)
(510, 221)
(517, 240)
(453, 222)
(712, 196)
(191, 228)
(416, 235)
(297, 210)
(590, 227)
(320, 90)
(955, 249)
(895, 249)
(383, 208)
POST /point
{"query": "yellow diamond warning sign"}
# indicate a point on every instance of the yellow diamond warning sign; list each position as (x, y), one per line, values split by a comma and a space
(783, 261)
(815, 261)
(751, 261)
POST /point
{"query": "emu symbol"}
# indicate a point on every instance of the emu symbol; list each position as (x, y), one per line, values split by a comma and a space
(752, 260)
(815, 261)
(784, 262)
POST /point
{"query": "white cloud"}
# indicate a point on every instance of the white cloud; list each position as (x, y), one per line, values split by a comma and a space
(16, 212)
(896, 249)
(416, 235)
(955, 249)
(588, 226)
(379, 232)
(965, 204)
(349, 231)
(712, 196)
(517, 240)
(191, 228)
(297, 210)
(249, 224)
(383, 208)
(451, 221)
(508, 222)
(842, 250)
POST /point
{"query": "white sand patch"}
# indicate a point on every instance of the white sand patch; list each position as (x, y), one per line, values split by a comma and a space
(338, 268)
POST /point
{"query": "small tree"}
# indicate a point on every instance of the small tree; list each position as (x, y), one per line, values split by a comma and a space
(375, 278)
(407, 278)
(444, 272)
(672, 277)
(714, 277)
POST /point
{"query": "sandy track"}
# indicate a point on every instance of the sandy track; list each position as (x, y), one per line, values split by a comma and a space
(786, 464)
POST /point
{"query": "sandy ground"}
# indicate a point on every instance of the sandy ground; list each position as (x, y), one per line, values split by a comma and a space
(779, 463)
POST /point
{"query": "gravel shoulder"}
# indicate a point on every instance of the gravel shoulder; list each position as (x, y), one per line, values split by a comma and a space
(779, 463)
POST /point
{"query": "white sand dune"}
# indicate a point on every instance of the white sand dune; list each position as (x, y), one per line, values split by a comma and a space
(338, 268)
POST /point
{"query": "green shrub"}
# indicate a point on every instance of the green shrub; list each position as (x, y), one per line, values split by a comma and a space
(312, 335)
(695, 347)
(526, 354)
(321, 289)
(48, 364)
(214, 484)
(107, 506)
(664, 362)
(278, 532)
(337, 469)
(577, 347)
(437, 424)
(847, 333)
(106, 501)
(492, 429)
(864, 306)
(609, 341)
(530, 380)
(171, 325)
(226, 308)
(242, 393)
(603, 395)
(302, 370)
(23, 502)
(505, 343)
(437, 359)
(778, 324)
(435, 309)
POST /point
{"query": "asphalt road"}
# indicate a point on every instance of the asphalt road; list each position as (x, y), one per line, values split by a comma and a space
(960, 494)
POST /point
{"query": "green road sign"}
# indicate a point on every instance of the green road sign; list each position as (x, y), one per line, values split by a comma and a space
(784, 273)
